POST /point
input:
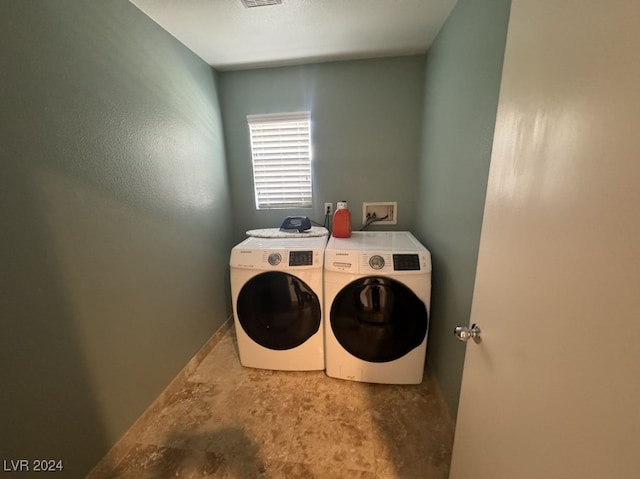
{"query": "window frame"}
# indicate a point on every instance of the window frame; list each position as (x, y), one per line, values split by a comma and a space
(286, 163)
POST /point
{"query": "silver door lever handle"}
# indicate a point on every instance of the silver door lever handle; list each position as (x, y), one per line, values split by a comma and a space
(462, 333)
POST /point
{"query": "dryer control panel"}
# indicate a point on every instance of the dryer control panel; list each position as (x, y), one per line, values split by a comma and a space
(276, 259)
(300, 258)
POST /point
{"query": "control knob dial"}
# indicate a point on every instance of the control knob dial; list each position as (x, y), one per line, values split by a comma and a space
(274, 259)
(376, 262)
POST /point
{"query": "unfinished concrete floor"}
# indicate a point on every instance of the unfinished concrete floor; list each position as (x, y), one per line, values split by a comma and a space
(234, 422)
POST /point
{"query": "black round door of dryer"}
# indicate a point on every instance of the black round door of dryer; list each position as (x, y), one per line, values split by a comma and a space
(378, 319)
(278, 310)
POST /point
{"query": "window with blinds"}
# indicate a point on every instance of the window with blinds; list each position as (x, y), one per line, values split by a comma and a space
(281, 152)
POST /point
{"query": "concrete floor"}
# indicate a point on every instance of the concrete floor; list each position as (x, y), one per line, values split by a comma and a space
(234, 422)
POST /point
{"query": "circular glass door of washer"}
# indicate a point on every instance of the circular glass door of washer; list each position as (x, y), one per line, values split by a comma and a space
(278, 310)
(378, 319)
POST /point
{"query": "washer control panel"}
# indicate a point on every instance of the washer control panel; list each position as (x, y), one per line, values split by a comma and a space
(379, 262)
(406, 262)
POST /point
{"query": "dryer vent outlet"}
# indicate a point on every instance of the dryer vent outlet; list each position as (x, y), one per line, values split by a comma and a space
(380, 213)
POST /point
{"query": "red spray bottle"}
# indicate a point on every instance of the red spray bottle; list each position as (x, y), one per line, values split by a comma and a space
(342, 221)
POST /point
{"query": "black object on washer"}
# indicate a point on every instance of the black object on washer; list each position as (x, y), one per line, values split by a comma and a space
(296, 223)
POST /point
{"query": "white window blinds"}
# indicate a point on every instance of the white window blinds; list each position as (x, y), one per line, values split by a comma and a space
(281, 152)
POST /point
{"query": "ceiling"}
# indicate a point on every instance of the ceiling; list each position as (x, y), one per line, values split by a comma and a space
(230, 36)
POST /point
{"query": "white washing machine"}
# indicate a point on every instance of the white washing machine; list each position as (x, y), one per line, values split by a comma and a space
(277, 291)
(377, 290)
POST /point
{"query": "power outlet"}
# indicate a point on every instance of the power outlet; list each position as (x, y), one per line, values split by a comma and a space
(387, 210)
(328, 208)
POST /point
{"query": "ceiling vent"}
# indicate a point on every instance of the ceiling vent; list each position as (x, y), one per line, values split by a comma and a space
(260, 3)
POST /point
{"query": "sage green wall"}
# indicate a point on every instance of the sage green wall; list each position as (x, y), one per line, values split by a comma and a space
(115, 226)
(366, 130)
(463, 71)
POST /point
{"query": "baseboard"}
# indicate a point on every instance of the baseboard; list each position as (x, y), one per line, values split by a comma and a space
(110, 461)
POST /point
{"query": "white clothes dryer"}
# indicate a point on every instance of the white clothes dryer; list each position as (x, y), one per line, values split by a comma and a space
(377, 290)
(277, 291)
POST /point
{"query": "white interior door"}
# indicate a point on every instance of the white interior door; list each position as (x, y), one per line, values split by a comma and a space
(553, 391)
